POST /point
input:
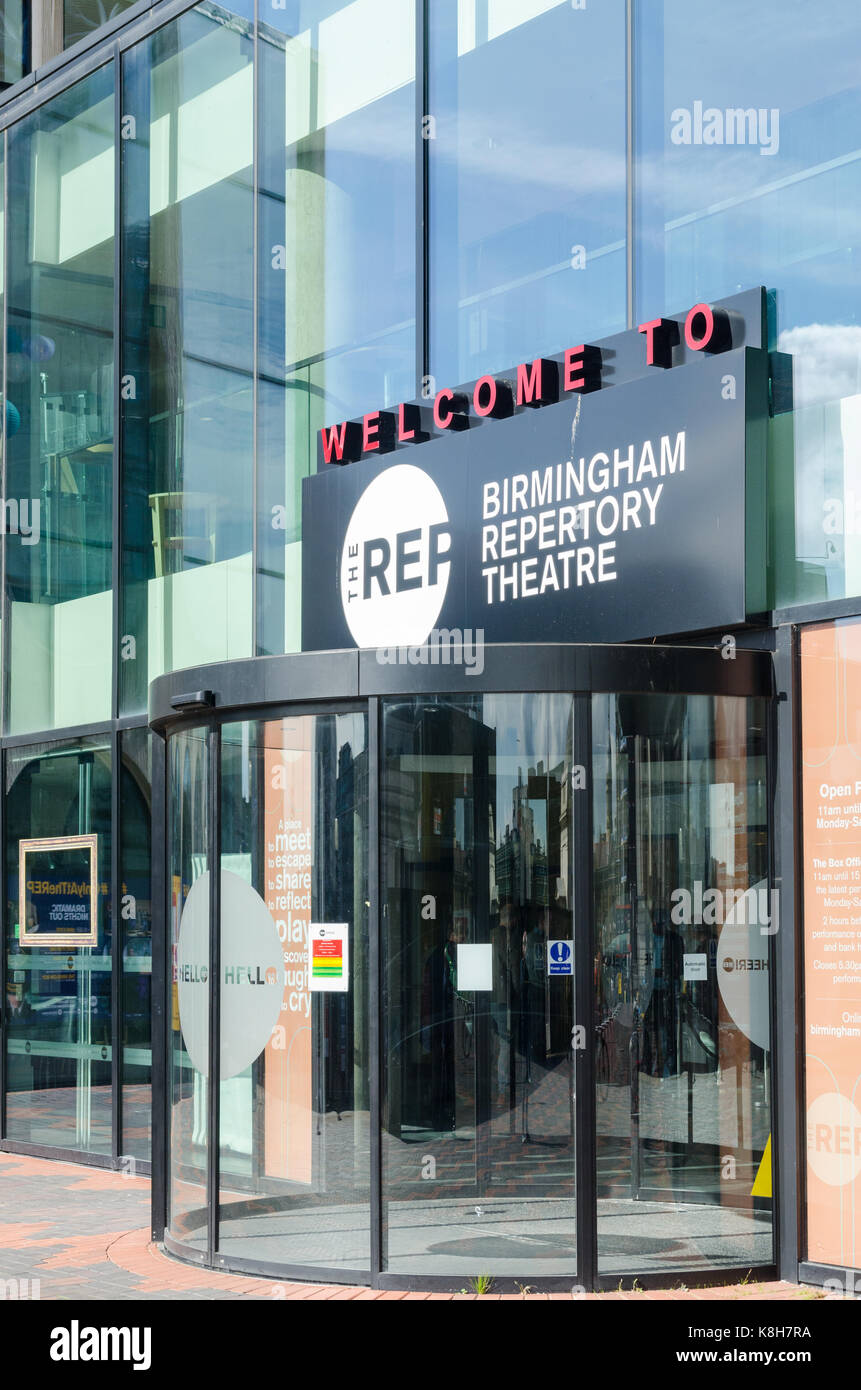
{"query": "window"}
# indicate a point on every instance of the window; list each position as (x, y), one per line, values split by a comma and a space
(59, 411)
(527, 180)
(188, 350)
(14, 41)
(336, 253)
(748, 172)
(58, 1039)
(81, 18)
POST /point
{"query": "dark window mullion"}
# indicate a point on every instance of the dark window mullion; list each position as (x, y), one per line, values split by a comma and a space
(422, 290)
(213, 764)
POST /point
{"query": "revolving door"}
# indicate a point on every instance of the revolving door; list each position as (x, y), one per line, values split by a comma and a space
(539, 1046)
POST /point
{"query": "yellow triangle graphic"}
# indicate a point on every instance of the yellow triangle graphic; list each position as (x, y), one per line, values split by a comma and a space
(762, 1181)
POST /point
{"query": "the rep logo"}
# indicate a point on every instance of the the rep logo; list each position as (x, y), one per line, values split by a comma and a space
(394, 570)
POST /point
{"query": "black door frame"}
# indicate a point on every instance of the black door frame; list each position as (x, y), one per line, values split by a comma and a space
(313, 683)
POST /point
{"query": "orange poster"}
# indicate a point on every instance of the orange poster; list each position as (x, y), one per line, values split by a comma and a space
(288, 810)
(831, 756)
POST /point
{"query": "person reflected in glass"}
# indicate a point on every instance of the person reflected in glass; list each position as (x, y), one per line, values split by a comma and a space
(662, 1017)
(438, 1023)
(530, 1013)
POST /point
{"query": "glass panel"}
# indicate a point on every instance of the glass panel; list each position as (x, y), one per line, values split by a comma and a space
(336, 242)
(58, 1005)
(478, 1127)
(294, 1104)
(187, 349)
(683, 921)
(136, 925)
(831, 980)
(82, 17)
(188, 970)
(10, 418)
(749, 172)
(60, 386)
(14, 45)
(527, 180)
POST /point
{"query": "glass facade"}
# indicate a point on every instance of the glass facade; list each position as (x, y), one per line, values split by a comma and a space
(14, 42)
(81, 18)
(747, 173)
(293, 252)
(336, 247)
(60, 438)
(188, 351)
(526, 192)
(227, 228)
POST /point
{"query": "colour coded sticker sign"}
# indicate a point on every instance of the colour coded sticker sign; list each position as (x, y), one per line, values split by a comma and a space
(330, 960)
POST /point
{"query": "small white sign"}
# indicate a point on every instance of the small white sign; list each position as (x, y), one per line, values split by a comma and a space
(560, 958)
(696, 967)
(475, 967)
(329, 957)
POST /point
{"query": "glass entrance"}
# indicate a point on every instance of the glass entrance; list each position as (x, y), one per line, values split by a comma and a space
(493, 983)
(683, 926)
(275, 1166)
(479, 1115)
(58, 1034)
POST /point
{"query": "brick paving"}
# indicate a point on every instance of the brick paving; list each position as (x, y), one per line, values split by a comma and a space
(84, 1234)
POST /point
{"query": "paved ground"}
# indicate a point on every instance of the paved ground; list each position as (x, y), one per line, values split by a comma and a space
(83, 1233)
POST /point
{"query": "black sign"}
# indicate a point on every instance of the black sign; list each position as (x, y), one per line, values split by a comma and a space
(620, 514)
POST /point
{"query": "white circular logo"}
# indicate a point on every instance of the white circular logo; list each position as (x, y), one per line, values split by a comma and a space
(252, 974)
(742, 966)
(834, 1139)
(394, 565)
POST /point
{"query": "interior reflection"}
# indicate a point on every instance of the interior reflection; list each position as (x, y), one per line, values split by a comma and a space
(478, 1132)
(682, 929)
(482, 804)
(294, 1090)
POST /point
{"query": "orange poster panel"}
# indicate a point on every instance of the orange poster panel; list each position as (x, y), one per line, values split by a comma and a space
(831, 758)
(288, 811)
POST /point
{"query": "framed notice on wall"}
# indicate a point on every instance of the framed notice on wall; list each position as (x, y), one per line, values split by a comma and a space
(58, 891)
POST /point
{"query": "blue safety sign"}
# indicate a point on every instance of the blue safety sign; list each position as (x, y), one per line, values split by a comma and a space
(560, 958)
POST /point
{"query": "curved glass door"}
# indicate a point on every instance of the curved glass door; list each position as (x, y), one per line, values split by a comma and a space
(188, 1004)
(477, 940)
(556, 959)
(294, 1124)
(270, 1156)
(684, 921)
